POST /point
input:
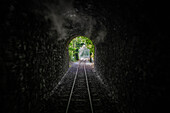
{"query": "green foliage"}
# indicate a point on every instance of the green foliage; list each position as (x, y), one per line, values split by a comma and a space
(75, 45)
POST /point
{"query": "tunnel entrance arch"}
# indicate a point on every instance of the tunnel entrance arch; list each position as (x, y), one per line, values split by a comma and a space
(79, 48)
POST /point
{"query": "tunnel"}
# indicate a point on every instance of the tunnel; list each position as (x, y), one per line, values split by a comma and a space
(131, 51)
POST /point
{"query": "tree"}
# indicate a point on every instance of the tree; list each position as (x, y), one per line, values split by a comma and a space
(75, 45)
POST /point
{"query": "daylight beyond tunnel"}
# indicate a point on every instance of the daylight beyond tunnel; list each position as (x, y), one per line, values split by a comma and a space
(81, 48)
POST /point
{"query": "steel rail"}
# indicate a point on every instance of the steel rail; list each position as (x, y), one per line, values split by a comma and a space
(91, 106)
(68, 104)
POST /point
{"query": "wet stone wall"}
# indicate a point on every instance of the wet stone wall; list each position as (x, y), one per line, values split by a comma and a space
(32, 59)
(133, 65)
(132, 59)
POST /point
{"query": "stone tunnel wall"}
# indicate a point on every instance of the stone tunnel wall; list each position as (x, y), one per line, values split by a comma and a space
(135, 71)
(132, 59)
(32, 59)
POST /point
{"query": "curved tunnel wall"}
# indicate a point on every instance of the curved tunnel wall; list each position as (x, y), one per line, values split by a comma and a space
(130, 51)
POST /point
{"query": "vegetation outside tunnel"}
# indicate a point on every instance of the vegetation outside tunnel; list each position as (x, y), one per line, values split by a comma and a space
(76, 44)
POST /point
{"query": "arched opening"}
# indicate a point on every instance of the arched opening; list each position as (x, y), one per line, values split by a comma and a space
(81, 48)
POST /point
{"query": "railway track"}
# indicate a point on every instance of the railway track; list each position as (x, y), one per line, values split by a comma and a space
(84, 102)
(78, 92)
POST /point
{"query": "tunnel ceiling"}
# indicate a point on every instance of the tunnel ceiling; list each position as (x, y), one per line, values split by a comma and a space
(74, 18)
(91, 18)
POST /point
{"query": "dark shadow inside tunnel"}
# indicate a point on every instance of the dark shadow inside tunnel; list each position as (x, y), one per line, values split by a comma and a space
(81, 48)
